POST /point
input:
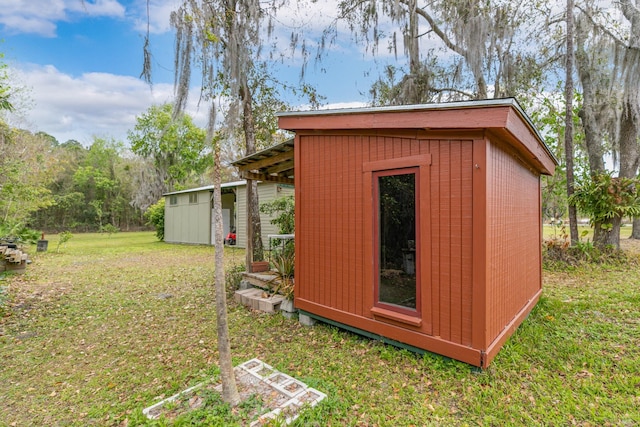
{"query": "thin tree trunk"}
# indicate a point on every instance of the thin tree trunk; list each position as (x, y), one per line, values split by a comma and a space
(253, 214)
(254, 248)
(413, 45)
(568, 133)
(229, 388)
(248, 253)
(413, 49)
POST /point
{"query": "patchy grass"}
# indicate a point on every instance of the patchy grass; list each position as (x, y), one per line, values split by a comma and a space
(551, 231)
(108, 326)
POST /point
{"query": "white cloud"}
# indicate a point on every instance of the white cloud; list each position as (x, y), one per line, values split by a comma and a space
(96, 7)
(33, 25)
(40, 16)
(158, 16)
(93, 104)
(99, 104)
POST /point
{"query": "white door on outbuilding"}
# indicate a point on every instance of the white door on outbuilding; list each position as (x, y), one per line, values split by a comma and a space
(226, 224)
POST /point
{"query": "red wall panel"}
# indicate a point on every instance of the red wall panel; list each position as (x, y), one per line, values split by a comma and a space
(513, 228)
(333, 237)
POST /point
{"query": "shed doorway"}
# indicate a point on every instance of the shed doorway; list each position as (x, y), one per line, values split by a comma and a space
(396, 225)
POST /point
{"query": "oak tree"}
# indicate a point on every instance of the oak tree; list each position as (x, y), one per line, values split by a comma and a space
(608, 63)
(175, 146)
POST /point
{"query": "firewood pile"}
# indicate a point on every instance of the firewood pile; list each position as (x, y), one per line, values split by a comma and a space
(12, 258)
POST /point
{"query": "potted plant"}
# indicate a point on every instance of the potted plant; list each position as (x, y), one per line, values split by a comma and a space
(283, 283)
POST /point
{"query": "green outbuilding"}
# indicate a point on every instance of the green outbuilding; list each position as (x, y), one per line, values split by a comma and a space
(189, 216)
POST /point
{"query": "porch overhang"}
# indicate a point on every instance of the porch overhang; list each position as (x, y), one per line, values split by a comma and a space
(274, 164)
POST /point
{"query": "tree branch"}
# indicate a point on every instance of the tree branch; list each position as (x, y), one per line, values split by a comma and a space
(630, 11)
(605, 30)
(436, 29)
(454, 90)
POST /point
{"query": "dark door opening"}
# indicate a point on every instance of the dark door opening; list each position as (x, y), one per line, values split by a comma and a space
(396, 222)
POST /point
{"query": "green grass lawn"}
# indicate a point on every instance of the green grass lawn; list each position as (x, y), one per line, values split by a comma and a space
(92, 334)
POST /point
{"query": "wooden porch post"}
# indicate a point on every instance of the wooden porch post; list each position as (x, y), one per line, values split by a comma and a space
(249, 246)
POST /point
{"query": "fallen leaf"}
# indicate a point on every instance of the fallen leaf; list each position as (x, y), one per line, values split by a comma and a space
(195, 402)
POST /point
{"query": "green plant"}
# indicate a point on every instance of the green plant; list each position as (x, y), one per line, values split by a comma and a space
(63, 238)
(586, 248)
(284, 267)
(284, 207)
(109, 229)
(155, 217)
(603, 197)
(233, 276)
(18, 233)
(606, 199)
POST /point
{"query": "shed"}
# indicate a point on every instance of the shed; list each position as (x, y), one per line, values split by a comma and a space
(189, 216)
(420, 224)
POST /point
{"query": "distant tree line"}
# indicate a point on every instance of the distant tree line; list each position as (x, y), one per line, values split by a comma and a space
(89, 188)
(52, 187)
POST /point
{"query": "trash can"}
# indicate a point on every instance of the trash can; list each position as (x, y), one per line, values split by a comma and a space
(42, 245)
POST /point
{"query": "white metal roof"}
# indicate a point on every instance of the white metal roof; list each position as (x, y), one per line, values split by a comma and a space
(208, 188)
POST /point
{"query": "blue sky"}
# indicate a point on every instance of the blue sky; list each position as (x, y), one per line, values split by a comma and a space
(79, 64)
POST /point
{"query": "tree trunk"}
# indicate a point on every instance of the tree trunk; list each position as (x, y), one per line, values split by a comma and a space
(412, 46)
(254, 248)
(256, 226)
(630, 122)
(629, 132)
(635, 233)
(229, 388)
(588, 117)
(608, 237)
(629, 153)
(568, 134)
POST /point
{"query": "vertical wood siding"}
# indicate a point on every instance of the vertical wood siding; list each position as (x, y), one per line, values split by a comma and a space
(451, 215)
(513, 229)
(332, 235)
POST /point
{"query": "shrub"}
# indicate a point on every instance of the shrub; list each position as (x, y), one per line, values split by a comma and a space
(606, 200)
(558, 254)
(284, 255)
(284, 207)
(17, 233)
(155, 217)
(603, 197)
(109, 229)
(63, 238)
(233, 276)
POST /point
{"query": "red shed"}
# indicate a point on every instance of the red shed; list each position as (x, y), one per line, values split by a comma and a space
(420, 224)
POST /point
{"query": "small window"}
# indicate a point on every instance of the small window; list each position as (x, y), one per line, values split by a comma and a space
(173, 200)
(193, 198)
